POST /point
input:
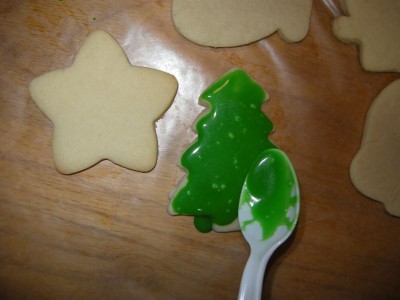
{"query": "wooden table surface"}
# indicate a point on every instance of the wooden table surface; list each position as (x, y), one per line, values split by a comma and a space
(105, 233)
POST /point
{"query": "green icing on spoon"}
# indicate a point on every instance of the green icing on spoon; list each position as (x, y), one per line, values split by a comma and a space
(268, 211)
(270, 195)
(230, 137)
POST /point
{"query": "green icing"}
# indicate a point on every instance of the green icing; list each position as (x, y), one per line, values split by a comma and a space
(271, 190)
(230, 137)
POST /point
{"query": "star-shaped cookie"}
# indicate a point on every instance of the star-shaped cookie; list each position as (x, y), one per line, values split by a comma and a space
(102, 107)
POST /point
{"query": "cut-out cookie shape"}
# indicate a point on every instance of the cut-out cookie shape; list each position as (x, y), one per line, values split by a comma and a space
(230, 23)
(375, 170)
(102, 107)
(375, 26)
(231, 135)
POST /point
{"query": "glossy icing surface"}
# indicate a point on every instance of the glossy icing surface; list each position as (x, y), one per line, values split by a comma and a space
(230, 137)
(271, 192)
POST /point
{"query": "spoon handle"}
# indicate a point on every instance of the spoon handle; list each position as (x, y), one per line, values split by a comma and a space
(253, 275)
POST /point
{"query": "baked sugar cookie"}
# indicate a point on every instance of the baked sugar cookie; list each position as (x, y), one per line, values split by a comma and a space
(375, 26)
(375, 170)
(231, 135)
(102, 107)
(230, 23)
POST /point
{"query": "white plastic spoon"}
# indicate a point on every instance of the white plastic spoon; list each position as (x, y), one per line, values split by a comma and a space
(268, 211)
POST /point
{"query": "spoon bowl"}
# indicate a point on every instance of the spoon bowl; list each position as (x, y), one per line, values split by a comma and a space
(268, 211)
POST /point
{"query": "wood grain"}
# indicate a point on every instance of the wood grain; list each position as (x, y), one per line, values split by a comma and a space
(105, 233)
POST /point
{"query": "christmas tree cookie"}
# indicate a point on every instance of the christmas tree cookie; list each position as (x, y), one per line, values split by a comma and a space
(231, 135)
